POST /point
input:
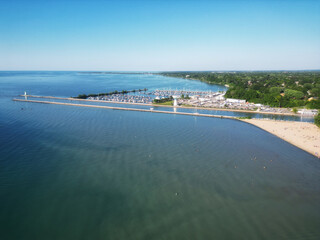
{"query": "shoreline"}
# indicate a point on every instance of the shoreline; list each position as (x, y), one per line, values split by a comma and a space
(303, 135)
(159, 105)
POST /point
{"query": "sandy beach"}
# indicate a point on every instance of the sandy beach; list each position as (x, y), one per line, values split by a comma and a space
(301, 134)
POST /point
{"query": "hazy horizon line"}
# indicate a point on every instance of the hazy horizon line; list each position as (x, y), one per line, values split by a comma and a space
(230, 70)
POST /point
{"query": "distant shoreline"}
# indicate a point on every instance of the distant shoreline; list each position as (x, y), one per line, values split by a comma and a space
(158, 105)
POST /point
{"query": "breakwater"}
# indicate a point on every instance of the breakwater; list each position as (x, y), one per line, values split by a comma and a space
(122, 108)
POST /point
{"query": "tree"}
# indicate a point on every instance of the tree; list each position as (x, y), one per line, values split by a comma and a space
(82, 96)
(317, 120)
(315, 92)
(275, 90)
(279, 99)
(251, 94)
(294, 110)
(293, 93)
(307, 86)
(314, 104)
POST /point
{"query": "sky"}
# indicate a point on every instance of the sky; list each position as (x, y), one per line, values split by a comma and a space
(159, 35)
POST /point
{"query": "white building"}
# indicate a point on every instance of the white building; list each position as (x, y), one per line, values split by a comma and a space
(194, 96)
(219, 98)
(233, 100)
(310, 112)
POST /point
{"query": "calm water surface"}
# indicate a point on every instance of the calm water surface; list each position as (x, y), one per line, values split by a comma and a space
(84, 173)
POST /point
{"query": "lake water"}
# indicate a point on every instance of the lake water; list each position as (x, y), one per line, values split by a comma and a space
(85, 173)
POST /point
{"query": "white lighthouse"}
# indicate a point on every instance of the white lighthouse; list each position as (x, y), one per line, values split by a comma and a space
(175, 101)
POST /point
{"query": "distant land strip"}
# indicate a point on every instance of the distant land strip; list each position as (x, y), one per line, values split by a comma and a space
(157, 105)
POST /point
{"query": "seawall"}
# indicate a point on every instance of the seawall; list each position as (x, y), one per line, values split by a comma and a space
(122, 108)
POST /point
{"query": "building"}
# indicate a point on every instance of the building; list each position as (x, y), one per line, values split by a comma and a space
(233, 100)
(308, 112)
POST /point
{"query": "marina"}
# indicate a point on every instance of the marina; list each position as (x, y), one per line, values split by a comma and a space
(181, 108)
(198, 99)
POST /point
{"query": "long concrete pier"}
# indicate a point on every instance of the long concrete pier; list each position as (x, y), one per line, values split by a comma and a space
(122, 108)
(89, 100)
(158, 105)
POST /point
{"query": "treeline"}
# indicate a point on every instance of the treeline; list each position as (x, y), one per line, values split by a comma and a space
(185, 96)
(276, 89)
(84, 96)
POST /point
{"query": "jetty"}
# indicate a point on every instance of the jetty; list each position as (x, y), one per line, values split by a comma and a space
(122, 108)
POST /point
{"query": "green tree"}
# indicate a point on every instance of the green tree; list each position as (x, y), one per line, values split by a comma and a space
(315, 92)
(82, 96)
(295, 110)
(276, 90)
(293, 93)
(317, 120)
(314, 104)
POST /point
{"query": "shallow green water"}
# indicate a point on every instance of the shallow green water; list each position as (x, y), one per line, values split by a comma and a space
(80, 173)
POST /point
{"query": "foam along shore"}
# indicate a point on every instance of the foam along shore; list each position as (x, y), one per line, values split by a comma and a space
(301, 134)
(158, 105)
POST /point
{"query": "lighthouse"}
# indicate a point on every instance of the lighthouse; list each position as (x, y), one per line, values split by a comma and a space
(175, 101)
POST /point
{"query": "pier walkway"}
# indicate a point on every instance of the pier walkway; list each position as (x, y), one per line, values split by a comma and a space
(122, 108)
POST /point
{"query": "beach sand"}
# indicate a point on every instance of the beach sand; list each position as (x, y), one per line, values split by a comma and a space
(301, 134)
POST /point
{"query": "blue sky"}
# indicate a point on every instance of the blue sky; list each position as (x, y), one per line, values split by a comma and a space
(159, 35)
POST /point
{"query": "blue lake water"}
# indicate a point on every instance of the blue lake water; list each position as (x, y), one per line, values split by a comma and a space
(84, 173)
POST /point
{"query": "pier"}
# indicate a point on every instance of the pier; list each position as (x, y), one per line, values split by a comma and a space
(122, 108)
